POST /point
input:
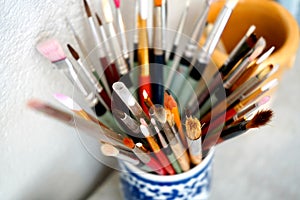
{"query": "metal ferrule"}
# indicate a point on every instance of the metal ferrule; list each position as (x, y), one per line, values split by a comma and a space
(122, 32)
(120, 62)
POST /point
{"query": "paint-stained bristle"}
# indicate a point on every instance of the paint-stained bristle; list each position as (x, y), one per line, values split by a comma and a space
(73, 52)
(87, 8)
(128, 142)
(52, 50)
(109, 150)
(157, 3)
(98, 20)
(106, 9)
(117, 3)
(169, 101)
(193, 128)
(67, 101)
(261, 118)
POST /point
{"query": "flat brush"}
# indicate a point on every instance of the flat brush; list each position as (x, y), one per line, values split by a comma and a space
(121, 29)
(88, 127)
(93, 81)
(52, 50)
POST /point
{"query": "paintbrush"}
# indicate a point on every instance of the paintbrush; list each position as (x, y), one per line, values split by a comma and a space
(157, 67)
(156, 148)
(120, 62)
(189, 53)
(110, 67)
(251, 69)
(93, 81)
(193, 133)
(179, 31)
(52, 50)
(87, 127)
(260, 119)
(121, 29)
(143, 54)
(148, 160)
(87, 59)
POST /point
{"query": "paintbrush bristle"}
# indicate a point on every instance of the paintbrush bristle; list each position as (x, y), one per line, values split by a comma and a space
(117, 3)
(87, 8)
(265, 55)
(261, 118)
(73, 52)
(109, 150)
(128, 142)
(143, 9)
(157, 3)
(98, 19)
(52, 50)
(193, 128)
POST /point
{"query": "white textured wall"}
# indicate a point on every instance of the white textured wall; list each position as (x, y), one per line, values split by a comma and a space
(41, 158)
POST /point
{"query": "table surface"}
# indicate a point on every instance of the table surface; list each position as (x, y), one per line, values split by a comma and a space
(262, 164)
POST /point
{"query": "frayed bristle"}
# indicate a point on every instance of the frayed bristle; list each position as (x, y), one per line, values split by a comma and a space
(261, 118)
(128, 142)
(193, 128)
(117, 3)
(52, 50)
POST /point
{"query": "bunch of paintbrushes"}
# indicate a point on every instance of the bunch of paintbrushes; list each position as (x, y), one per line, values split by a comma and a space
(152, 119)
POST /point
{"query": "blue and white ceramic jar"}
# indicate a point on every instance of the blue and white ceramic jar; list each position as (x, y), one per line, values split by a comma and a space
(193, 184)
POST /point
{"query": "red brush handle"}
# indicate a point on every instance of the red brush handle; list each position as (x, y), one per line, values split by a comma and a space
(154, 164)
(144, 84)
(165, 162)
